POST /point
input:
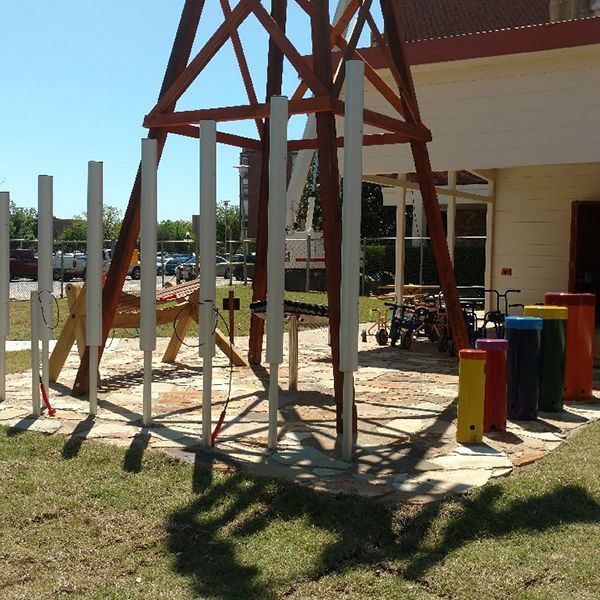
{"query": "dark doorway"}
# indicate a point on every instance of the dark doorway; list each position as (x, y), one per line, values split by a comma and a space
(584, 271)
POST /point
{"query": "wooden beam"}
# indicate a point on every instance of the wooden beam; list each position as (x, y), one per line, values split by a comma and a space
(371, 74)
(223, 137)
(240, 113)
(350, 46)
(402, 74)
(374, 139)
(375, 30)
(242, 64)
(337, 33)
(390, 181)
(259, 281)
(66, 339)
(329, 180)
(188, 74)
(278, 37)
(130, 228)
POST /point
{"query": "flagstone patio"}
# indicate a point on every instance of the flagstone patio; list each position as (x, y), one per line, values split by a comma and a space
(406, 448)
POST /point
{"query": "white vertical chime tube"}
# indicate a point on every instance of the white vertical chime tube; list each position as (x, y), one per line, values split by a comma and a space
(489, 244)
(35, 353)
(4, 285)
(208, 249)
(351, 217)
(276, 253)
(451, 215)
(45, 281)
(148, 259)
(400, 242)
(93, 284)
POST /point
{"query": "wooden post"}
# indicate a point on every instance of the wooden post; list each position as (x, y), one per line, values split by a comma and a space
(293, 354)
(180, 54)
(329, 180)
(231, 317)
(259, 281)
(402, 75)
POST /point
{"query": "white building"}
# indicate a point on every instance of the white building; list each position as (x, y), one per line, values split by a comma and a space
(521, 108)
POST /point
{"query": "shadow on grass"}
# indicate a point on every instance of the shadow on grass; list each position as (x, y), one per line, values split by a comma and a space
(73, 444)
(206, 536)
(134, 456)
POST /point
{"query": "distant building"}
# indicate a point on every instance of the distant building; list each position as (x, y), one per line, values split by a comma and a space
(60, 225)
(249, 167)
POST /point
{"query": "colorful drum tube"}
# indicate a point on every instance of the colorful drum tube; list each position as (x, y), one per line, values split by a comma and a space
(552, 375)
(494, 410)
(524, 344)
(579, 358)
(471, 394)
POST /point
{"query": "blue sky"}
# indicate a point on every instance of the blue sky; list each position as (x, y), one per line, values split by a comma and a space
(79, 75)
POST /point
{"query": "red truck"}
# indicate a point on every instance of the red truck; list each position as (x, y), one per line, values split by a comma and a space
(23, 264)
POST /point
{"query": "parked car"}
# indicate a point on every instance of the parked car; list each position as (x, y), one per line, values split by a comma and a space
(134, 271)
(23, 264)
(161, 261)
(175, 260)
(222, 267)
(67, 265)
(237, 264)
(187, 271)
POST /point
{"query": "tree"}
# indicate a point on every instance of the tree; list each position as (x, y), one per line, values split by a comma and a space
(76, 231)
(23, 222)
(377, 220)
(311, 188)
(228, 222)
(174, 230)
(112, 218)
(111, 225)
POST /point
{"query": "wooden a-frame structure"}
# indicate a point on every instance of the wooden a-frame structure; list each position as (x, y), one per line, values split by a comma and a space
(323, 76)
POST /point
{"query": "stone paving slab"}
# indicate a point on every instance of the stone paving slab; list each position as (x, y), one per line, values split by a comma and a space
(406, 440)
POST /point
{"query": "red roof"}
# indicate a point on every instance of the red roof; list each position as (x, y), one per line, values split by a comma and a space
(427, 19)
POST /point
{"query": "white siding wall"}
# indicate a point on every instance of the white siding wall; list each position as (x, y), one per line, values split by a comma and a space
(532, 226)
(529, 109)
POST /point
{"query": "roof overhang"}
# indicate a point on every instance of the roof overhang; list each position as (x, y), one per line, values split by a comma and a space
(538, 38)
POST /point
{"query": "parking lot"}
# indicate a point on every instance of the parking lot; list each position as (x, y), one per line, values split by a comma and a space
(21, 289)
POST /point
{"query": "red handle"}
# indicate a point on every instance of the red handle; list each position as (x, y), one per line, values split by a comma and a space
(51, 411)
(215, 433)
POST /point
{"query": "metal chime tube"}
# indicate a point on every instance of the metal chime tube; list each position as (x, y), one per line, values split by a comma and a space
(276, 253)
(93, 283)
(4, 285)
(351, 217)
(208, 249)
(35, 354)
(45, 282)
(148, 268)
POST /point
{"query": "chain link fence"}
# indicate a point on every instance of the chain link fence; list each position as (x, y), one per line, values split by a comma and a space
(379, 264)
(176, 261)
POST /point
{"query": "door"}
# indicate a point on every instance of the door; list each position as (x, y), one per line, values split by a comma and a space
(584, 268)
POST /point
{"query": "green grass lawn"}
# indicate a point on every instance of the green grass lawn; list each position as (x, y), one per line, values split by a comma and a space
(83, 520)
(20, 321)
(20, 328)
